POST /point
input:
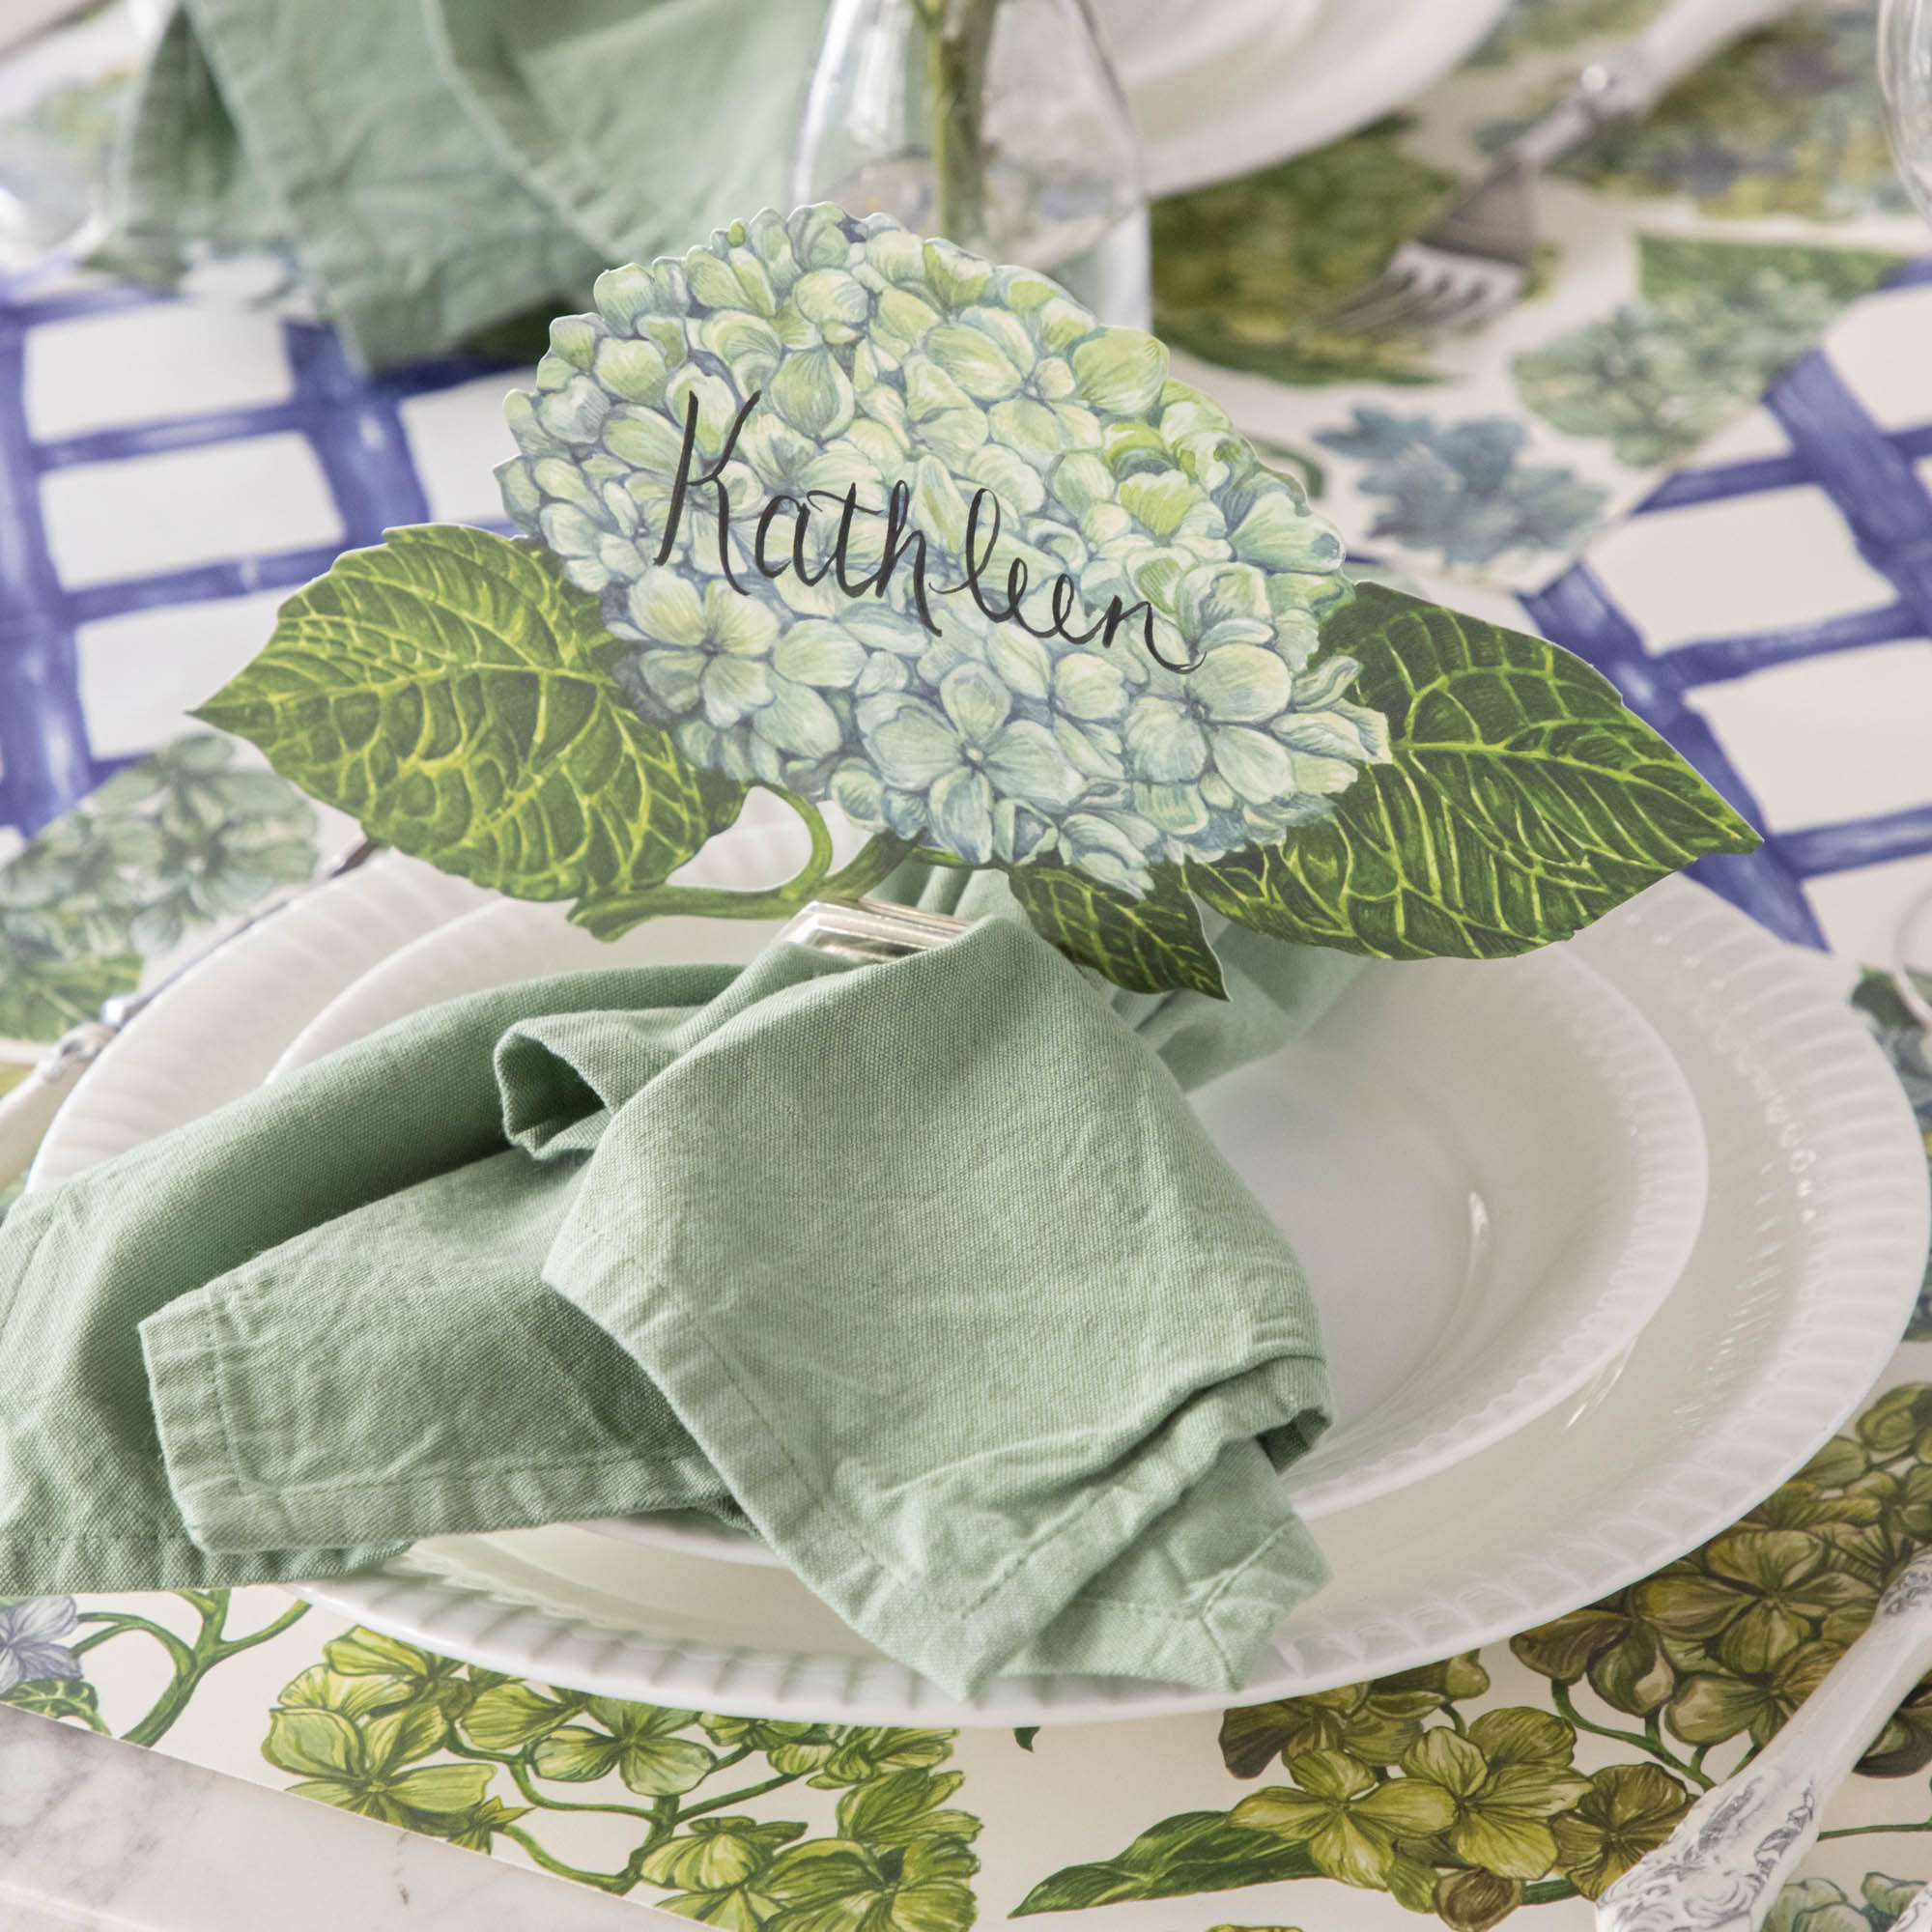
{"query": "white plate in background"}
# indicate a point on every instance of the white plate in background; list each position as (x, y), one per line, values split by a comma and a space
(1281, 80)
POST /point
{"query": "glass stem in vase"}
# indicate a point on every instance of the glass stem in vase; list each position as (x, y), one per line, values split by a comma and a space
(957, 36)
(997, 124)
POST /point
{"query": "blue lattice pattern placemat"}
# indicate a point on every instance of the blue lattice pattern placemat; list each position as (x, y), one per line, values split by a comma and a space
(108, 528)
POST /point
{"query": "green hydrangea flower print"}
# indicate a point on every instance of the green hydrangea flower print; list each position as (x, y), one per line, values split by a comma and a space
(1460, 489)
(1714, 324)
(829, 369)
(1784, 121)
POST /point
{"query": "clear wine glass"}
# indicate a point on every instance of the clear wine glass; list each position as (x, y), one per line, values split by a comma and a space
(1905, 78)
(64, 67)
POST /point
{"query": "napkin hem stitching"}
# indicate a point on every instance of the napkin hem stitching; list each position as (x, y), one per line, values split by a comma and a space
(612, 1265)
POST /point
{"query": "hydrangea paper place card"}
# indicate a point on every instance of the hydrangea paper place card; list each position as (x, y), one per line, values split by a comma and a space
(859, 518)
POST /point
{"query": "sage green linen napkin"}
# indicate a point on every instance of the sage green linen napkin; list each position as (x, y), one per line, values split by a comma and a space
(926, 1271)
(439, 168)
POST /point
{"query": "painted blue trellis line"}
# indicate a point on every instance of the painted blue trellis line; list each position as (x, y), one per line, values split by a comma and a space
(354, 425)
(1871, 480)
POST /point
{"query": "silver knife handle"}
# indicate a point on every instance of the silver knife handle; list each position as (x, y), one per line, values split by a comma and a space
(1630, 79)
(1727, 1860)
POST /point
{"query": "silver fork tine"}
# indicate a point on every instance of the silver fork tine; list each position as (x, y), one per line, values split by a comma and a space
(1424, 302)
(1367, 312)
(1466, 306)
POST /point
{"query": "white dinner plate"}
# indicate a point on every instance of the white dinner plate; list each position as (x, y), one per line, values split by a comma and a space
(1269, 83)
(1804, 1274)
(1808, 1266)
(1494, 1174)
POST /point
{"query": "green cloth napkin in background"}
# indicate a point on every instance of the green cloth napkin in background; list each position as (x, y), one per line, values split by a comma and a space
(440, 166)
(927, 1269)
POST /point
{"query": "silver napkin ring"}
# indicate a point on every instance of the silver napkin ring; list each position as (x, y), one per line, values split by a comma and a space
(870, 930)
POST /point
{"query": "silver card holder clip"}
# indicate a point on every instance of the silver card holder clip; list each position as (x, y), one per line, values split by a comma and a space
(871, 931)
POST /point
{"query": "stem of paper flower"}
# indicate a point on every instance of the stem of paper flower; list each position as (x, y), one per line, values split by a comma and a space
(620, 912)
(820, 862)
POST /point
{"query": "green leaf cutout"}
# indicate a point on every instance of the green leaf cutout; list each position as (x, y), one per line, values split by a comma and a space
(1146, 946)
(1522, 800)
(1197, 1850)
(447, 688)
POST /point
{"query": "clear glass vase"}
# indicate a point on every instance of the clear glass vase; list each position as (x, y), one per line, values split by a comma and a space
(996, 123)
(1905, 75)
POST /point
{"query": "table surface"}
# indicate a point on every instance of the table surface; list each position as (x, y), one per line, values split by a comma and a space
(1756, 579)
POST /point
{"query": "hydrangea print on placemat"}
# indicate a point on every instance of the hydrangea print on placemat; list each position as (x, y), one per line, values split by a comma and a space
(1533, 25)
(1246, 272)
(1457, 489)
(171, 843)
(1786, 122)
(1716, 323)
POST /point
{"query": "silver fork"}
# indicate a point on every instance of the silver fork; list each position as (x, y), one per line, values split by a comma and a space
(1473, 262)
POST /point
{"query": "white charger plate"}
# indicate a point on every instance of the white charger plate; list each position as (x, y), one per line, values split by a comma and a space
(1494, 1175)
(1804, 1272)
(1264, 84)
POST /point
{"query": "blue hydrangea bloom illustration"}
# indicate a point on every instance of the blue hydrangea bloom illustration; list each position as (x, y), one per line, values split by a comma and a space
(882, 362)
(34, 1635)
(1459, 490)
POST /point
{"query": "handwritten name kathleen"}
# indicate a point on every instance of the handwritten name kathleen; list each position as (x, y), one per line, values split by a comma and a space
(904, 542)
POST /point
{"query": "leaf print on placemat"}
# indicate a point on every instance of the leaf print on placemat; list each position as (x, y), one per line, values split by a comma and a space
(1243, 270)
(1716, 323)
(459, 1753)
(1407, 1785)
(1817, 1905)
(42, 994)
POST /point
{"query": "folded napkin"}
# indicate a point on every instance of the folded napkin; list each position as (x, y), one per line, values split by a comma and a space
(442, 167)
(926, 1271)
